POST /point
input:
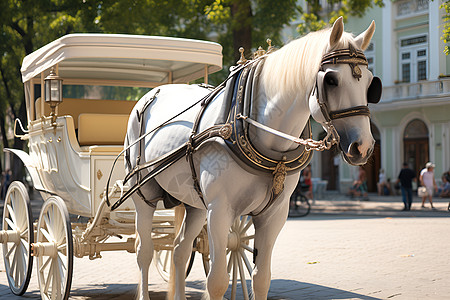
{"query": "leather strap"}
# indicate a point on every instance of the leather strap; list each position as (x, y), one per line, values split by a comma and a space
(362, 110)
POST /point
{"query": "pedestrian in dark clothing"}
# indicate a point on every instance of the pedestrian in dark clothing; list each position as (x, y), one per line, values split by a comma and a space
(405, 178)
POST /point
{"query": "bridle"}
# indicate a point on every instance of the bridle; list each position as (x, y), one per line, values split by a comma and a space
(352, 57)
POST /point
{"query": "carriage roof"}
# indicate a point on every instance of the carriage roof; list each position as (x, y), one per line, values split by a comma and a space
(142, 59)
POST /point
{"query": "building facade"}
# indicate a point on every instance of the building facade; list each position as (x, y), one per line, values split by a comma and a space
(412, 121)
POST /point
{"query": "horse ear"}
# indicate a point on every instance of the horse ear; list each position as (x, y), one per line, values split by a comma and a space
(363, 40)
(336, 31)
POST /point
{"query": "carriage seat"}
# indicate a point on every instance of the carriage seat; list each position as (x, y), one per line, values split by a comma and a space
(102, 129)
(98, 122)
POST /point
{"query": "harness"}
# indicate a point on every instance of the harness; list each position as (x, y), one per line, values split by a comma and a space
(353, 57)
(235, 130)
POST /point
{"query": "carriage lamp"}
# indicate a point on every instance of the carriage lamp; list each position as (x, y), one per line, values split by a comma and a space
(53, 92)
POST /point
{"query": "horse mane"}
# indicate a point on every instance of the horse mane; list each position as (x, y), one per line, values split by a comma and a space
(295, 65)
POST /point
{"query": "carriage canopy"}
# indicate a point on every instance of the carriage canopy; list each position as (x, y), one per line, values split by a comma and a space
(146, 59)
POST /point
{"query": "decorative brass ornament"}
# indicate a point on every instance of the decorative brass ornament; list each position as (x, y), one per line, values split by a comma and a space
(279, 176)
(225, 131)
(99, 174)
(242, 60)
(248, 150)
(356, 71)
(259, 52)
(269, 42)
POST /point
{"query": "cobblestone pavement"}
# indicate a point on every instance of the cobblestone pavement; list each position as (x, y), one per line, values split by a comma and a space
(345, 249)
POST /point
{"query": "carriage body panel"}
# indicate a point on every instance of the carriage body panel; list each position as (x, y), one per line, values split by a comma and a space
(73, 159)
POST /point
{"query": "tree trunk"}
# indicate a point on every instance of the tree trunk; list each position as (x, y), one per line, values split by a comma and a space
(241, 13)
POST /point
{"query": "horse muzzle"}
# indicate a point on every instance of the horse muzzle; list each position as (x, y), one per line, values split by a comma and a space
(357, 151)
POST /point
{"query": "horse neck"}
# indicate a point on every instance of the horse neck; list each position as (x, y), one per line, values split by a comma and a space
(286, 113)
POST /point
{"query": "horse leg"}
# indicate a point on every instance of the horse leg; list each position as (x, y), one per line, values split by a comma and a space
(144, 248)
(220, 219)
(267, 228)
(193, 223)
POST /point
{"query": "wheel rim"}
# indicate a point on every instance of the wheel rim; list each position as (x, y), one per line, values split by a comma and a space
(163, 262)
(240, 246)
(54, 250)
(17, 235)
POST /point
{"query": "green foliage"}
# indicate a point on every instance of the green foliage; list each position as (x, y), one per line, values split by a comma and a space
(30, 24)
(317, 17)
(446, 27)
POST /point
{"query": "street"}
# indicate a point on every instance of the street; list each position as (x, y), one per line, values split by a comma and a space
(321, 256)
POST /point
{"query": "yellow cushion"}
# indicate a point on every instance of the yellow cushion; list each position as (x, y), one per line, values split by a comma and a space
(102, 129)
(75, 107)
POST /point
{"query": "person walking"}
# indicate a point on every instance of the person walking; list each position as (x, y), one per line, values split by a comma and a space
(405, 177)
(427, 180)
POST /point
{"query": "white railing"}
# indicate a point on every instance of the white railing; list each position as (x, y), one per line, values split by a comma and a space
(422, 89)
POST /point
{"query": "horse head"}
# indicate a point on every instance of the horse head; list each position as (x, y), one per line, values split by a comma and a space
(344, 87)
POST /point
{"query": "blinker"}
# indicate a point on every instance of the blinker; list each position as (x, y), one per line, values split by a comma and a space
(374, 91)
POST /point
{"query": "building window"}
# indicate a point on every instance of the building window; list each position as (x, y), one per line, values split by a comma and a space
(422, 70)
(413, 58)
(406, 72)
(370, 55)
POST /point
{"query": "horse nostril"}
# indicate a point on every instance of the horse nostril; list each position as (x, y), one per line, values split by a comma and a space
(353, 150)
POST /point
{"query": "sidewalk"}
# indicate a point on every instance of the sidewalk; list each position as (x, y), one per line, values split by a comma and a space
(333, 202)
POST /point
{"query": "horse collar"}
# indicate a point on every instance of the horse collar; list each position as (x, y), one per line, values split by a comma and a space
(239, 141)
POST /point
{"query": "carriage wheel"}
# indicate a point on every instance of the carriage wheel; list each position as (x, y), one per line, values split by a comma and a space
(163, 262)
(240, 245)
(54, 250)
(16, 237)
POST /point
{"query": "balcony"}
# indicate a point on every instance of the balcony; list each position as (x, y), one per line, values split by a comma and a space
(423, 89)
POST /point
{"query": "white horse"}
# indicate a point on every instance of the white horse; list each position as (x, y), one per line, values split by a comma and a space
(283, 101)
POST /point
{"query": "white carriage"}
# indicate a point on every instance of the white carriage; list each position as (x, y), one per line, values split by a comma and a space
(73, 143)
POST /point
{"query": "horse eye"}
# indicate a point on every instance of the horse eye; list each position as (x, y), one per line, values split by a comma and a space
(331, 79)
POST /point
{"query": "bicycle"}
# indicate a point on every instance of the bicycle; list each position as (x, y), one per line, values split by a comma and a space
(299, 202)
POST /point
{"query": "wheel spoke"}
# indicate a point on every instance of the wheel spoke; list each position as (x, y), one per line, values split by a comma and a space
(48, 223)
(45, 264)
(59, 273)
(247, 247)
(14, 246)
(230, 263)
(62, 260)
(247, 226)
(25, 243)
(16, 268)
(59, 229)
(46, 235)
(55, 281)
(234, 276)
(24, 234)
(248, 237)
(243, 222)
(11, 224)
(242, 275)
(247, 262)
(12, 214)
(22, 259)
(22, 217)
(62, 247)
(49, 277)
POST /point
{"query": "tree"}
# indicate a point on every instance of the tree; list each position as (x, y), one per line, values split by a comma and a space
(315, 17)
(446, 27)
(27, 25)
